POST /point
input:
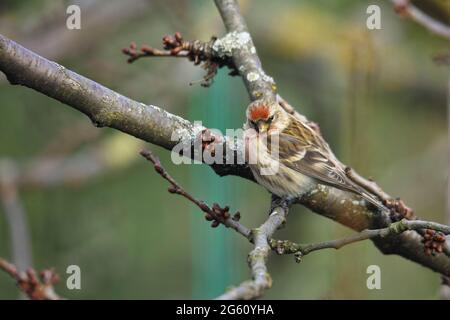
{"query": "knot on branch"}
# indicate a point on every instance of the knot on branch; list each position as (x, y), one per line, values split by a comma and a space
(397, 227)
(399, 210)
(288, 247)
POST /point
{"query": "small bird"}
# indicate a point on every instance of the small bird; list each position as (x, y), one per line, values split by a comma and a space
(288, 157)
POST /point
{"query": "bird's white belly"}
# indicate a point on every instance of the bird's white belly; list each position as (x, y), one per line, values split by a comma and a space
(273, 175)
(284, 182)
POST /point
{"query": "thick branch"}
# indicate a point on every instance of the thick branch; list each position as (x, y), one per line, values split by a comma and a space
(243, 51)
(103, 106)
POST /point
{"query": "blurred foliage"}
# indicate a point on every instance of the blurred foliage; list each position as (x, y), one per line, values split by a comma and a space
(378, 96)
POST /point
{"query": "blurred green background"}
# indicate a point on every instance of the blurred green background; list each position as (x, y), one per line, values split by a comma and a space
(378, 96)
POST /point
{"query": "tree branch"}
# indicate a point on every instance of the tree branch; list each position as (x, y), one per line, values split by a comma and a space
(34, 286)
(239, 44)
(216, 213)
(206, 54)
(257, 259)
(263, 242)
(396, 228)
(103, 106)
(406, 9)
(338, 205)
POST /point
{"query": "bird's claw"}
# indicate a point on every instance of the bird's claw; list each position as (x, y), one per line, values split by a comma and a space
(283, 202)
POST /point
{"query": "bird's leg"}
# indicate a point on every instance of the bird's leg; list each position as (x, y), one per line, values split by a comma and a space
(284, 202)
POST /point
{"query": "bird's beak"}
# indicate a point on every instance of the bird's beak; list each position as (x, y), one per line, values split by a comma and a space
(263, 126)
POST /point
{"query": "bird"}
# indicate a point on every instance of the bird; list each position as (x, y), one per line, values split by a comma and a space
(289, 157)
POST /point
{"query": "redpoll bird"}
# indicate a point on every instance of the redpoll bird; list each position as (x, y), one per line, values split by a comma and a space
(289, 158)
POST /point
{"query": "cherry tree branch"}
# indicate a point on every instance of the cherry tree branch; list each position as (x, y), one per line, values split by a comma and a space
(216, 213)
(201, 53)
(104, 107)
(36, 287)
(263, 240)
(338, 205)
(239, 45)
(257, 259)
(406, 9)
(396, 228)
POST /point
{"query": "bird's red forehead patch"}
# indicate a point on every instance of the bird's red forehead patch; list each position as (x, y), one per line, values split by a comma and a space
(259, 111)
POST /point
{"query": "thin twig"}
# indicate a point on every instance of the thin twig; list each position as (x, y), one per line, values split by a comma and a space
(147, 51)
(199, 52)
(396, 228)
(34, 286)
(405, 8)
(257, 258)
(216, 214)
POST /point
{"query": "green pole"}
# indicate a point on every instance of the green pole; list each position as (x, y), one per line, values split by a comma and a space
(213, 258)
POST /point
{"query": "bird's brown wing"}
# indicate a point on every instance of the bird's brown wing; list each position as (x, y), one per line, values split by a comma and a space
(303, 150)
(313, 158)
(313, 162)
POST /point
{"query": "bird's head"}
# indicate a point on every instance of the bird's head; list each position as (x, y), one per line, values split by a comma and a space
(266, 116)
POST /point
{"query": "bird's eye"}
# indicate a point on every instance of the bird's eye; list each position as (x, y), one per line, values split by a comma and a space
(253, 124)
(270, 119)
